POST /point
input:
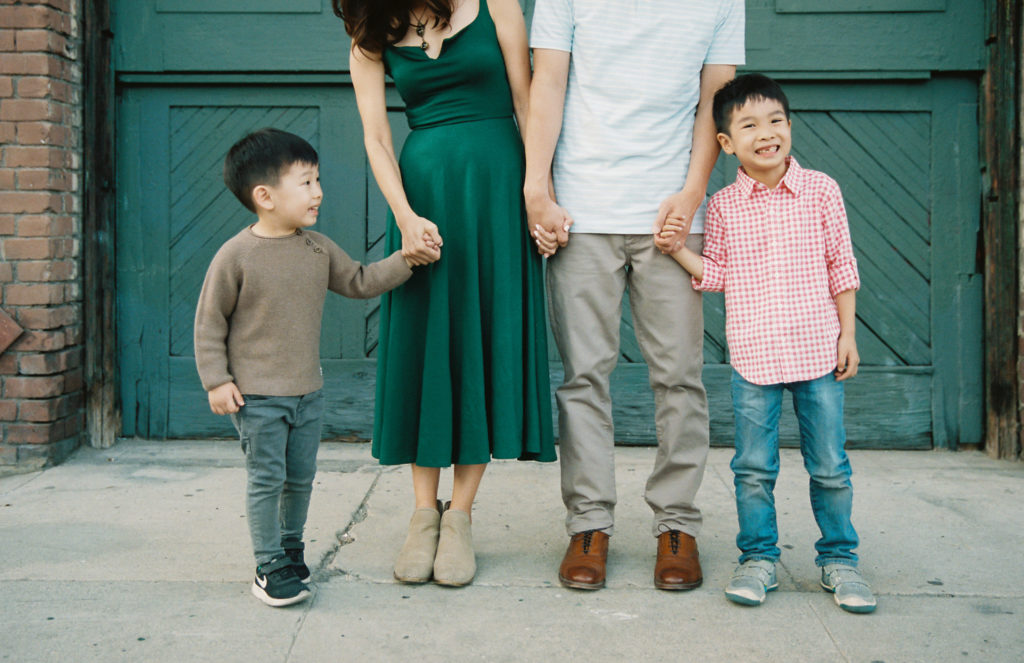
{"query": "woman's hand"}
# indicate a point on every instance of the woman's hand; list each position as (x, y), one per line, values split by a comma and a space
(549, 224)
(421, 242)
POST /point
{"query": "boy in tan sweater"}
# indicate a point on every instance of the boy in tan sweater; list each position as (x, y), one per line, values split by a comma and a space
(257, 340)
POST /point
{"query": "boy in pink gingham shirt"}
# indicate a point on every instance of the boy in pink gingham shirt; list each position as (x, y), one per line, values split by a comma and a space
(778, 244)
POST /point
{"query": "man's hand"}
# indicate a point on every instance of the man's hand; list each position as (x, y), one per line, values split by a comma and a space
(847, 359)
(680, 208)
(549, 224)
(225, 399)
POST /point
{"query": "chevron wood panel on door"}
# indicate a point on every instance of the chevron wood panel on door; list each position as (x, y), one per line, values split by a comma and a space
(886, 192)
(882, 158)
(203, 213)
(176, 213)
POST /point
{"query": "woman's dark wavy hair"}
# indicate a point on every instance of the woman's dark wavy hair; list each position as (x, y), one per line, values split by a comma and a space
(375, 24)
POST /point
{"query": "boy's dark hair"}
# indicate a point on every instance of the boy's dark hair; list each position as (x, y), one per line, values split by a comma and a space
(260, 158)
(739, 91)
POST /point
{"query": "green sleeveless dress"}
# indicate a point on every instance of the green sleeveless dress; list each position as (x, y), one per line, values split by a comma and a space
(462, 368)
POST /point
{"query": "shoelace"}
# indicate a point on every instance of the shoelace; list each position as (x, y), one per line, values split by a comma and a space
(587, 537)
(673, 541)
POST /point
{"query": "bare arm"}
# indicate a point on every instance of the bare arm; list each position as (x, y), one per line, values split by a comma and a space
(847, 359)
(421, 241)
(511, 29)
(703, 154)
(690, 261)
(549, 222)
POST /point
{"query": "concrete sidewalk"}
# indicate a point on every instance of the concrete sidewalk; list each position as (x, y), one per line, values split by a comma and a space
(141, 553)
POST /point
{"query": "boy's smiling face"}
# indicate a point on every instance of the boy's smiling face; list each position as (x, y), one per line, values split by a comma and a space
(292, 203)
(760, 137)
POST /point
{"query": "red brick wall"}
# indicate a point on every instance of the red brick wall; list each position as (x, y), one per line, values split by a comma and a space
(41, 390)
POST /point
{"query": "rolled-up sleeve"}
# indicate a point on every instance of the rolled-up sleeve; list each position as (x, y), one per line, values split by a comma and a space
(842, 265)
(714, 256)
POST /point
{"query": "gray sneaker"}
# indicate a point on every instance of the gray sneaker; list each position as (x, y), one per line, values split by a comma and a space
(751, 582)
(848, 586)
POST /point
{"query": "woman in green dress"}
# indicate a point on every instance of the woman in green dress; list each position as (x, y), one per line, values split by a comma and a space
(462, 373)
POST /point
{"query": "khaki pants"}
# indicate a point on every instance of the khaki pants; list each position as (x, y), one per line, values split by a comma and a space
(586, 281)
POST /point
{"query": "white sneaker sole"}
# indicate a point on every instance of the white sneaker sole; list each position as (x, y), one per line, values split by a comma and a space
(851, 604)
(259, 593)
(746, 598)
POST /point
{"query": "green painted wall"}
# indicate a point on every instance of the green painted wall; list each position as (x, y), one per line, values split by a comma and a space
(884, 97)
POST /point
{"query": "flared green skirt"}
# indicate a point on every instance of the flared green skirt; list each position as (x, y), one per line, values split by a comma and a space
(462, 368)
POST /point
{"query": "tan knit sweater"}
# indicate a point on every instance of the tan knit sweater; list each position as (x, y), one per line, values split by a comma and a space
(260, 309)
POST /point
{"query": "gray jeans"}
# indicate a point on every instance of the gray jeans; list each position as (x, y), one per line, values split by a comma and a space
(280, 436)
(586, 281)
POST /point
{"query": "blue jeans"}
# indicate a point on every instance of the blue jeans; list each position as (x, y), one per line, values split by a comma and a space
(280, 436)
(819, 410)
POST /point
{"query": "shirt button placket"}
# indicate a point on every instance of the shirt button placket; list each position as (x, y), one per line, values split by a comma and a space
(776, 287)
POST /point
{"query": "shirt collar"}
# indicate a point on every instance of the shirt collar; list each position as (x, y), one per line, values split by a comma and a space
(792, 180)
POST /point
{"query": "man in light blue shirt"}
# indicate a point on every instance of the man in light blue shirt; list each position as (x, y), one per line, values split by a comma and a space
(620, 122)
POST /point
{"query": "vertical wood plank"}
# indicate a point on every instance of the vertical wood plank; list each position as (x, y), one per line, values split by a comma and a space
(343, 177)
(127, 241)
(143, 275)
(952, 221)
(98, 218)
(1002, 140)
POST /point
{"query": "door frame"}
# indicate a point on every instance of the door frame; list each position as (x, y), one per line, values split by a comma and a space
(1001, 215)
(102, 406)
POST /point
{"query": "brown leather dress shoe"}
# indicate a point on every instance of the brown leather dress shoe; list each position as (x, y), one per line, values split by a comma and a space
(678, 563)
(583, 566)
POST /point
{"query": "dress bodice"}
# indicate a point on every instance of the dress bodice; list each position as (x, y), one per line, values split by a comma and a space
(466, 82)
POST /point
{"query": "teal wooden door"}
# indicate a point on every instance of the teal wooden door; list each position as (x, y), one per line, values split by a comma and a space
(182, 213)
(884, 97)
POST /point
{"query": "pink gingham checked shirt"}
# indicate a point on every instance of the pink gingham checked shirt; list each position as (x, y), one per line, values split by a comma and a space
(781, 256)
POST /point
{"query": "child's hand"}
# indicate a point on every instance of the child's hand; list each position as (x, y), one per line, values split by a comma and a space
(678, 209)
(847, 360)
(665, 239)
(432, 244)
(225, 399)
(421, 241)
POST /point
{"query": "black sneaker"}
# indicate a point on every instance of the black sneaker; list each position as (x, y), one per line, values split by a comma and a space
(293, 550)
(277, 585)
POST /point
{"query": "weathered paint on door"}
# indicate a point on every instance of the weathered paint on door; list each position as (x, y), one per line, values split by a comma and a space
(884, 97)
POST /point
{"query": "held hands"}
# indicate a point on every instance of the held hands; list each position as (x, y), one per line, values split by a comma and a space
(421, 242)
(847, 359)
(678, 208)
(225, 399)
(670, 232)
(549, 225)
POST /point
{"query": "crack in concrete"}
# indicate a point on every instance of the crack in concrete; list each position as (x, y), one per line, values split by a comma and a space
(343, 537)
(321, 572)
(298, 626)
(828, 632)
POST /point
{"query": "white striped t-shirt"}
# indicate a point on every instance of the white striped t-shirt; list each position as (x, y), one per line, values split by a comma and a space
(634, 83)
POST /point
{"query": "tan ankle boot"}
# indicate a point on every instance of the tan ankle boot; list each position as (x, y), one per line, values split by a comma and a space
(455, 563)
(415, 562)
